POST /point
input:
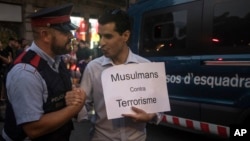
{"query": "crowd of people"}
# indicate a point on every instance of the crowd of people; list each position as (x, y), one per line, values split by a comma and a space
(8, 53)
(79, 57)
(41, 100)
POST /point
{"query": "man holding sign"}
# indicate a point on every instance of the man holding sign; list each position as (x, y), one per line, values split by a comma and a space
(114, 30)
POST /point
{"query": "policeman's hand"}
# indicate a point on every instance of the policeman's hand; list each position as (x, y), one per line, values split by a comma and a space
(140, 115)
(76, 98)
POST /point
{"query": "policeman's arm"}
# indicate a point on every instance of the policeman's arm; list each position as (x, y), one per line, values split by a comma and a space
(52, 121)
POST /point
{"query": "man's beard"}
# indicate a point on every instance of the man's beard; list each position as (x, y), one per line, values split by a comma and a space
(60, 50)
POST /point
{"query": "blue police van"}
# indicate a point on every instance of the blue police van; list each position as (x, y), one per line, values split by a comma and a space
(205, 45)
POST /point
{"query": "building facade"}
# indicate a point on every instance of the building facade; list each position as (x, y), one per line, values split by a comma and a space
(13, 12)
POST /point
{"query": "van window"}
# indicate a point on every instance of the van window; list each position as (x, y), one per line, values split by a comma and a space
(171, 31)
(166, 31)
(231, 24)
(211, 28)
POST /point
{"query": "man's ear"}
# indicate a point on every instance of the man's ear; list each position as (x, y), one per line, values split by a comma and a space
(45, 34)
(126, 35)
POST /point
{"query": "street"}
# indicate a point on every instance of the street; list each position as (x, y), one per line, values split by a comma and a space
(154, 133)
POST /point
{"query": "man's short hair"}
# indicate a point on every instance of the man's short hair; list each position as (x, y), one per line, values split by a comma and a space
(119, 17)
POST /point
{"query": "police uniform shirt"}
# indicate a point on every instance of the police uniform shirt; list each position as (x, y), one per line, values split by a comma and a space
(30, 95)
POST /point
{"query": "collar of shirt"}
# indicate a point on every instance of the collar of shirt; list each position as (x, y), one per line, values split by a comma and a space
(53, 62)
(131, 59)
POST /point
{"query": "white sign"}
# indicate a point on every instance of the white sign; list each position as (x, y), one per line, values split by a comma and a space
(140, 85)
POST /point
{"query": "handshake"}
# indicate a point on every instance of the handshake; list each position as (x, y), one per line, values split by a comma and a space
(75, 98)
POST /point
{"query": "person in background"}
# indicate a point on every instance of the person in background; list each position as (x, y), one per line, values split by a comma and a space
(19, 48)
(71, 58)
(40, 99)
(114, 30)
(71, 61)
(10, 48)
(25, 43)
(22, 45)
(83, 55)
(96, 51)
(4, 56)
(5, 60)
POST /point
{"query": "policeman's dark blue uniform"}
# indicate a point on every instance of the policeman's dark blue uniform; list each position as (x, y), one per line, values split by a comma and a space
(45, 81)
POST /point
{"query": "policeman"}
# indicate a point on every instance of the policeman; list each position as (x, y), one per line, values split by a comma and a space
(40, 99)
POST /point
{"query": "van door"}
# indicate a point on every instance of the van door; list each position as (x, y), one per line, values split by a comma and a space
(171, 35)
(226, 77)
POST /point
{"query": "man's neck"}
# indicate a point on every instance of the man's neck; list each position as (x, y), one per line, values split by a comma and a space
(122, 57)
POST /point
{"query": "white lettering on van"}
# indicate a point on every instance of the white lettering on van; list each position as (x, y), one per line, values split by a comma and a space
(212, 81)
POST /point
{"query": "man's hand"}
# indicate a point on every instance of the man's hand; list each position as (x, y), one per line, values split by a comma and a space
(76, 98)
(140, 115)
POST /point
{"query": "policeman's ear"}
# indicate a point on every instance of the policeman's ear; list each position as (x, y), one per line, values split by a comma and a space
(46, 34)
(126, 35)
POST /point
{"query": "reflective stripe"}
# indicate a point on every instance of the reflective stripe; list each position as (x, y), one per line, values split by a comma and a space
(197, 125)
